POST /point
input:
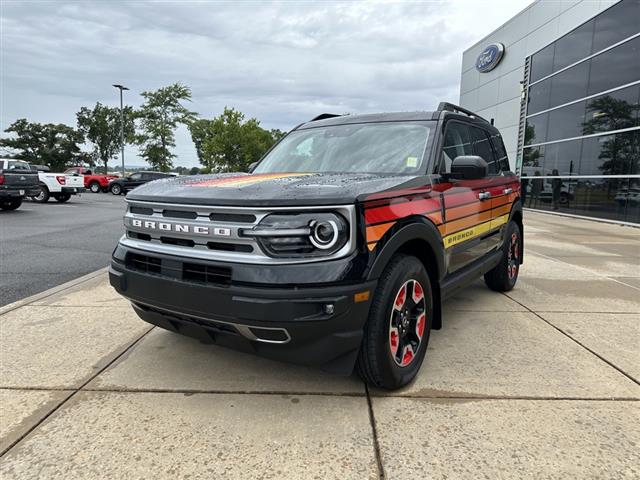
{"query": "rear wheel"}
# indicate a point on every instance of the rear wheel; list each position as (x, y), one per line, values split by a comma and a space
(43, 195)
(116, 189)
(95, 187)
(62, 197)
(504, 276)
(11, 204)
(397, 331)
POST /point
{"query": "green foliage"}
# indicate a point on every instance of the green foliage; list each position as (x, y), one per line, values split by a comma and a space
(44, 144)
(620, 152)
(159, 116)
(101, 127)
(229, 143)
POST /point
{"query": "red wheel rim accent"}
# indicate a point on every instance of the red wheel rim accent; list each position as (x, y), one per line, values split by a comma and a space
(407, 322)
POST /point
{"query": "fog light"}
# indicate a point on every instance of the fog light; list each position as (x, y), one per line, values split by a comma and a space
(328, 308)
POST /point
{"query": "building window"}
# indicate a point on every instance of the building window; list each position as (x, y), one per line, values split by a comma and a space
(615, 24)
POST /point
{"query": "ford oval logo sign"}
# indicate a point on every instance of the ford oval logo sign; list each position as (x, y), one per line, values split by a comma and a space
(490, 57)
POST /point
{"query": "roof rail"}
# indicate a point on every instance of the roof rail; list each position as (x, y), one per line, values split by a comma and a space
(450, 107)
(322, 116)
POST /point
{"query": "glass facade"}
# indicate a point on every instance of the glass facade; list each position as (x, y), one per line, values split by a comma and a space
(581, 149)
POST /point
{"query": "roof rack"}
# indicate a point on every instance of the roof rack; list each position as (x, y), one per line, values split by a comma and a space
(322, 116)
(450, 107)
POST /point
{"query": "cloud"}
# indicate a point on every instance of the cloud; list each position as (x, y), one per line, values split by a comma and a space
(281, 62)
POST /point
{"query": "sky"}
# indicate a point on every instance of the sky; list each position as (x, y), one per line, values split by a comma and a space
(282, 62)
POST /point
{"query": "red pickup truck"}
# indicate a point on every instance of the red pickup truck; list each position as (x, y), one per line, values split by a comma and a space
(92, 181)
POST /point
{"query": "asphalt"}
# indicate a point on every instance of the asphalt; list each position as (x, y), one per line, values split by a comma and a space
(541, 382)
(44, 245)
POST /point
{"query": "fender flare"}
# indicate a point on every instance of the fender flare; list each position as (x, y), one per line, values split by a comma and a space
(423, 230)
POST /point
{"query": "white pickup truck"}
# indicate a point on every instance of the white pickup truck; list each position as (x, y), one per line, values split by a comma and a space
(57, 185)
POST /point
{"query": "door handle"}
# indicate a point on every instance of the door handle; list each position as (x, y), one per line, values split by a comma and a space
(484, 195)
(507, 191)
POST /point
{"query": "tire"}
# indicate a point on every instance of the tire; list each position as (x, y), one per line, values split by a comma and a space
(504, 276)
(95, 187)
(384, 359)
(11, 204)
(62, 197)
(43, 196)
(116, 189)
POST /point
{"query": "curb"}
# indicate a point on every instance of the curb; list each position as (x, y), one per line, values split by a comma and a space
(52, 291)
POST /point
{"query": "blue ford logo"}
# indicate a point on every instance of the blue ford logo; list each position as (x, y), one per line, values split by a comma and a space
(490, 57)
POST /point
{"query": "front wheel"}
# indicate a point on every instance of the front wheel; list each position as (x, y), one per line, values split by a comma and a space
(116, 189)
(95, 187)
(397, 332)
(504, 276)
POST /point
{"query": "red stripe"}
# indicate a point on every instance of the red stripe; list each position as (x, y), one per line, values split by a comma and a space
(401, 208)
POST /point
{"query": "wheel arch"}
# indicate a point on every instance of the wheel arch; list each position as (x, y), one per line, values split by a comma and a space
(422, 240)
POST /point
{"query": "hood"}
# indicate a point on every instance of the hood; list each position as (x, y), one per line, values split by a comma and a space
(272, 189)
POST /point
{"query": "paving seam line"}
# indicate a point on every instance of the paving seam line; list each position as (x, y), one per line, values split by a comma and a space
(52, 291)
(593, 272)
(73, 393)
(374, 433)
(620, 370)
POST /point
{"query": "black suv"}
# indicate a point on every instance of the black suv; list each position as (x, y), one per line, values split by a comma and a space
(338, 248)
(124, 185)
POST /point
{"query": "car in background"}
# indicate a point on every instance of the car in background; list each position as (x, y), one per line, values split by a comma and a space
(17, 180)
(126, 184)
(94, 182)
(57, 185)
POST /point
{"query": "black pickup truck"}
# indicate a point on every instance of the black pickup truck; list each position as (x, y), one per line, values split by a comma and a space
(17, 180)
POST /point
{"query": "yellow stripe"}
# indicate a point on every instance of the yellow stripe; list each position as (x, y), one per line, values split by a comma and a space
(475, 231)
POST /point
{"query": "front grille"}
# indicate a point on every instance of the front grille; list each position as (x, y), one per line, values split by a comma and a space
(179, 214)
(144, 263)
(186, 271)
(206, 273)
(232, 217)
(183, 242)
(206, 233)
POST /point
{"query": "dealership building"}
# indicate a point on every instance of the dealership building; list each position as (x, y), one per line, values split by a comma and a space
(561, 80)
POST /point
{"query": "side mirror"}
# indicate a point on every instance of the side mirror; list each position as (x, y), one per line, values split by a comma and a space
(469, 167)
(252, 166)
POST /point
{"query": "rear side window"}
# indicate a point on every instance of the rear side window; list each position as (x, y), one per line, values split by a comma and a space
(457, 142)
(482, 148)
(501, 153)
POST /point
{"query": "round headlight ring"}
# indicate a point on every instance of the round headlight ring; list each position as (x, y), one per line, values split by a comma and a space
(315, 238)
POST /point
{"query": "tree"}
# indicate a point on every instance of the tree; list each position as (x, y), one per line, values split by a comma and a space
(194, 171)
(101, 127)
(229, 143)
(159, 116)
(56, 145)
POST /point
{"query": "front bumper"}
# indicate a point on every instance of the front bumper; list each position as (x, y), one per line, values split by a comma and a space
(316, 326)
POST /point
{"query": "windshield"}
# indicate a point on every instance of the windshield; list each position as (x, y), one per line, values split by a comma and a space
(386, 147)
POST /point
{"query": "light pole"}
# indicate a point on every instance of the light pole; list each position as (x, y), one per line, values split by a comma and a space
(121, 88)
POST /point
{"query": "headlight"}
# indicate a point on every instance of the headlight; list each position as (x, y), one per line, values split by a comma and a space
(296, 235)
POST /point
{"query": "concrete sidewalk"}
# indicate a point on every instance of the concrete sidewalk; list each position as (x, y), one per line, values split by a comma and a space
(540, 383)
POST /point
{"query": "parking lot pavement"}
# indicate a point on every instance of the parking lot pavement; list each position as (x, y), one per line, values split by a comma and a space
(43, 245)
(540, 383)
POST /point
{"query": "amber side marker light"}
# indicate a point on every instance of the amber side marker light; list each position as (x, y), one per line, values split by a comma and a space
(361, 296)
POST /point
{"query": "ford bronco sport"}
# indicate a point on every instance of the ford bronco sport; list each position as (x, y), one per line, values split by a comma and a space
(338, 248)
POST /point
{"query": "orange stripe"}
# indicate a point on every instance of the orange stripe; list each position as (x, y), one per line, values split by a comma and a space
(466, 210)
(376, 232)
(468, 222)
(503, 210)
